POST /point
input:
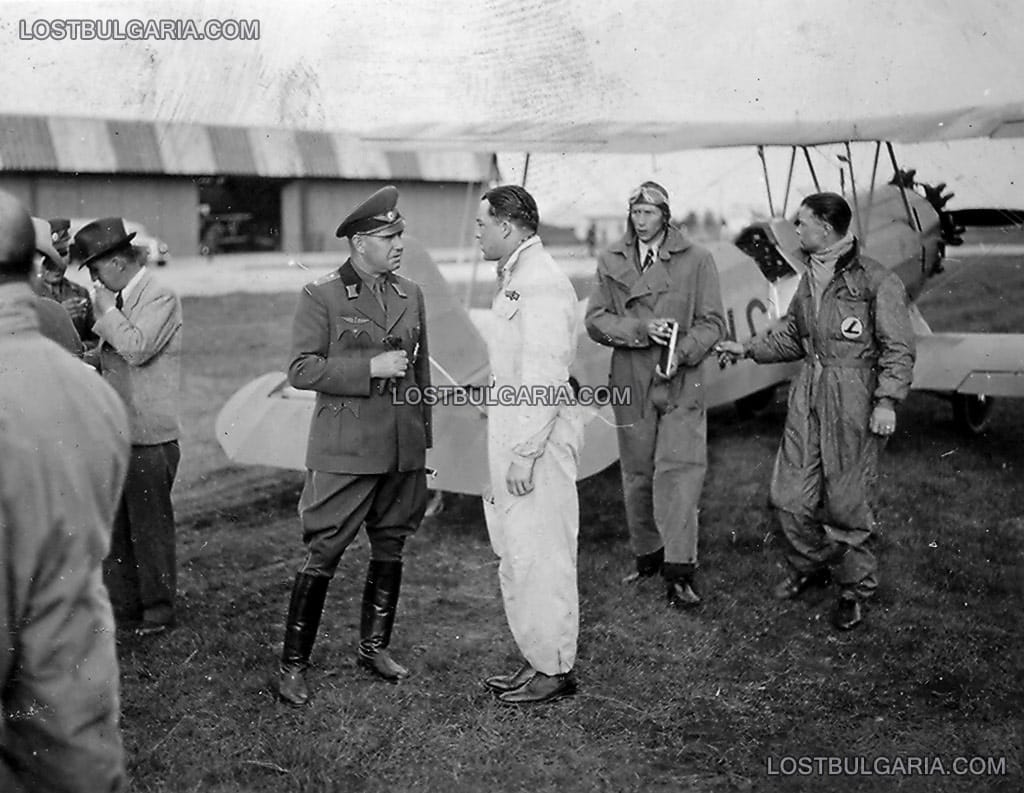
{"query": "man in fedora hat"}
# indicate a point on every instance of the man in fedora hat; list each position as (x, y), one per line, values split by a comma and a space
(60, 482)
(359, 341)
(652, 284)
(138, 322)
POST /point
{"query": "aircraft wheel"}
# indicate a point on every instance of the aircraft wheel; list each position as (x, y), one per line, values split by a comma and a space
(753, 405)
(971, 413)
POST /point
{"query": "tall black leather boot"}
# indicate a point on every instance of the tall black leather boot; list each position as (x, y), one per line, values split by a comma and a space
(380, 600)
(304, 610)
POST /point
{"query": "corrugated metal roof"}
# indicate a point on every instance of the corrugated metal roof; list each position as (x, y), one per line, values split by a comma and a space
(83, 145)
(275, 152)
(89, 145)
(25, 144)
(317, 152)
(185, 149)
(231, 151)
(359, 161)
(135, 146)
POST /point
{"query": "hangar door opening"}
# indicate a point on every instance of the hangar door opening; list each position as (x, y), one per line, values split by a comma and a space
(238, 214)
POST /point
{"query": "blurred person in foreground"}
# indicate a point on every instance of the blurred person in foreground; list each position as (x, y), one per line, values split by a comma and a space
(359, 340)
(650, 280)
(55, 284)
(532, 509)
(54, 321)
(138, 322)
(63, 459)
(850, 324)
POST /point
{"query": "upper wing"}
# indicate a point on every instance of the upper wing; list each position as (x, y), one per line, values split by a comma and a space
(985, 364)
(995, 121)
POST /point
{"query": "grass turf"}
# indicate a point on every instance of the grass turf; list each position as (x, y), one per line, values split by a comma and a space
(702, 701)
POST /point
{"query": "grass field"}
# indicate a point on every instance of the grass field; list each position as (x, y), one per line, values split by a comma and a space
(707, 701)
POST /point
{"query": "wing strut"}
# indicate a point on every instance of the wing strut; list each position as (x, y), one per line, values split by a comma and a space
(810, 167)
(912, 219)
(853, 187)
(767, 183)
(789, 178)
(866, 225)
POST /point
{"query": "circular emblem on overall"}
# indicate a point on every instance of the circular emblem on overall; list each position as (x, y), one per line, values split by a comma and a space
(852, 328)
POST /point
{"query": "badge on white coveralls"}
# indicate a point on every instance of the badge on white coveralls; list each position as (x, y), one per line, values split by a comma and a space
(851, 327)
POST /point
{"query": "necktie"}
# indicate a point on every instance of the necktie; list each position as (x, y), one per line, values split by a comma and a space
(648, 260)
(119, 302)
(379, 292)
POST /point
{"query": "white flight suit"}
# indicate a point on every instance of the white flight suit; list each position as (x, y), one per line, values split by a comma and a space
(532, 344)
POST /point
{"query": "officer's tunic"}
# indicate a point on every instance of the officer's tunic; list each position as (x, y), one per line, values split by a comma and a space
(858, 350)
(532, 347)
(368, 439)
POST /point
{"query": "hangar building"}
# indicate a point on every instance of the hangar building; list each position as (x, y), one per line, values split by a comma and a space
(208, 187)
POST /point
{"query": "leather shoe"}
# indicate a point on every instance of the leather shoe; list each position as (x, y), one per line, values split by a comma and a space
(797, 583)
(541, 688)
(647, 565)
(681, 595)
(382, 664)
(502, 683)
(847, 613)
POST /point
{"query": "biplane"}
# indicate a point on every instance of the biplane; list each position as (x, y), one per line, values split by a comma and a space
(901, 223)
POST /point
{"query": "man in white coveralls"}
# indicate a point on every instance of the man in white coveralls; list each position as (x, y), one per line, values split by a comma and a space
(534, 434)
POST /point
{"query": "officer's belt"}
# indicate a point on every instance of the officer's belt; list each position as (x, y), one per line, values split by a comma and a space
(842, 363)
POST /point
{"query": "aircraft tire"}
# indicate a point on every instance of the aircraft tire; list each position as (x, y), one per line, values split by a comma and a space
(753, 405)
(971, 413)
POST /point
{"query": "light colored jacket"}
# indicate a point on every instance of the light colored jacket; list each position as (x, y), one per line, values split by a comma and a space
(140, 356)
(532, 348)
(63, 459)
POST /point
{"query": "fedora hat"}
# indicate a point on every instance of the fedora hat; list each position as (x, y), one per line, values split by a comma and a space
(99, 238)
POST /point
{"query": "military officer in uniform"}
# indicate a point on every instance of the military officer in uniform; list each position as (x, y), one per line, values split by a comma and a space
(850, 324)
(360, 341)
(54, 284)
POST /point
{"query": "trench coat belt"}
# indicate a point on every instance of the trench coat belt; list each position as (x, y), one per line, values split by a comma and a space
(842, 363)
